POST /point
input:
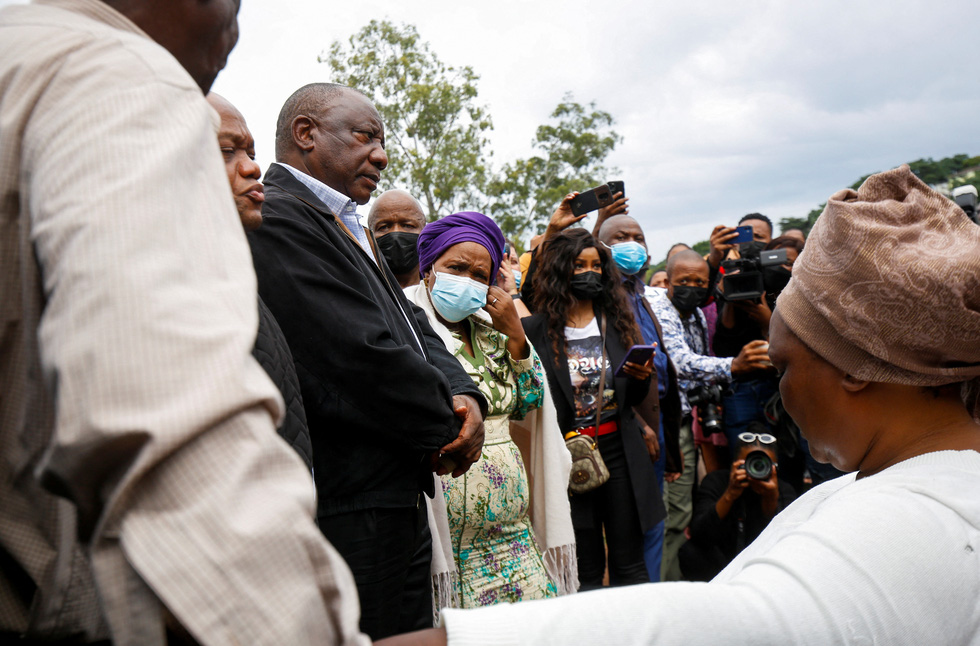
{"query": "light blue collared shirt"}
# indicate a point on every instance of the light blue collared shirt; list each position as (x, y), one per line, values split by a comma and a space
(339, 204)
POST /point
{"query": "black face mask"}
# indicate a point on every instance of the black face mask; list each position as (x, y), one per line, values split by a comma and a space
(751, 249)
(586, 286)
(775, 279)
(687, 298)
(401, 250)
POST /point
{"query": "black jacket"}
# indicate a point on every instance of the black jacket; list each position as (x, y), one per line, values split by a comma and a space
(272, 353)
(377, 404)
(629, 393)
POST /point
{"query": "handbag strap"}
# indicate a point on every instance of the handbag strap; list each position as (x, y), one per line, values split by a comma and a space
(600, 400)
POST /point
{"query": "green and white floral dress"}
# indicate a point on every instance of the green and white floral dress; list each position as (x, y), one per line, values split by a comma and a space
(489, 524)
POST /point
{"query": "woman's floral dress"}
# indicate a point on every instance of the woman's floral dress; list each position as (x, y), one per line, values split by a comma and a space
(495, 552)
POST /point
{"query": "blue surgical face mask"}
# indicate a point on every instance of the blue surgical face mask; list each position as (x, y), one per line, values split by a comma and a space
(457, 297)
(517, 278)
(629, 256)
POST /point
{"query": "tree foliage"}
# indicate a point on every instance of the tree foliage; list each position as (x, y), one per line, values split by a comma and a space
(570, 152)
(434, 127)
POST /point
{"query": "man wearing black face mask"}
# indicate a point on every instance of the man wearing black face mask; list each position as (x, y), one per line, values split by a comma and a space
(686, 337)
(396, 220)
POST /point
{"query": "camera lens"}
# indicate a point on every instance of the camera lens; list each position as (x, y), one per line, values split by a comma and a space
(758, 465)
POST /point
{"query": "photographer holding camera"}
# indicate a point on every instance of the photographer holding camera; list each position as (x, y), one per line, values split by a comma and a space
(733, 506)
(686, 337)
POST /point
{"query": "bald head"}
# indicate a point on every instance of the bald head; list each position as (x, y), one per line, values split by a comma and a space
(395, 207)
(334, 134)
(687, 258)
(621, 228)
(310, 100)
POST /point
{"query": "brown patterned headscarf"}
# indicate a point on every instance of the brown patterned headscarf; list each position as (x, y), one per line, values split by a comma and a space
(888, 286)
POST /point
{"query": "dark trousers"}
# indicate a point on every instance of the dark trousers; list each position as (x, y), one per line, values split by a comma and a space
(613, 512)
(389, 552)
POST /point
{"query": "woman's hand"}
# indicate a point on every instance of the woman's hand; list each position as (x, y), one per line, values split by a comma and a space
(651, 440)
(505, 278)
(620, 206)
(768, 490)
(563, 217)
(639, 371)
(505, 319)
(738, 480)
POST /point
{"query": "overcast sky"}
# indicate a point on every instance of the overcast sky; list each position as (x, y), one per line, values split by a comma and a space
(725, 107)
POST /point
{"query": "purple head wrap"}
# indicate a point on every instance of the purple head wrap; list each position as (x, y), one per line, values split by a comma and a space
(468, 226)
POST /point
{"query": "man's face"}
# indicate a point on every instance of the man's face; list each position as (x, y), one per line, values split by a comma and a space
(687, 273)
(760, 230)
(625, 230)
(199, 33)
(348, 147)
(402, 215)
(659, 279)
(238, 150)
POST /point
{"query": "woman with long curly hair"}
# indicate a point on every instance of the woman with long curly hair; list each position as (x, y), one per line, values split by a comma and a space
(577, 294)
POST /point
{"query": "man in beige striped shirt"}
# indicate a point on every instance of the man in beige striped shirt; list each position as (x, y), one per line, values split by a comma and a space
(141, 476)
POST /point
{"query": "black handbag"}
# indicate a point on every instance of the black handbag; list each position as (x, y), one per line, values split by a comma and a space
(589, 471)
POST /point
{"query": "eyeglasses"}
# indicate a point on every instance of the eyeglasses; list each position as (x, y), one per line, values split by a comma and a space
(762, 438)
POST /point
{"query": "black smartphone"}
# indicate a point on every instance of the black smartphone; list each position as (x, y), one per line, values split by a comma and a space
(638, 354)
(592, 200)
(745, 234)
(617, 186)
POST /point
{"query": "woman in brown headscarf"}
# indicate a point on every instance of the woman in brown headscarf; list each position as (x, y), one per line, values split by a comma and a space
(877, 337)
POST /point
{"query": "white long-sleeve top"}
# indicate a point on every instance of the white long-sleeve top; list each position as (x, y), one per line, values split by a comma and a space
(893, 558)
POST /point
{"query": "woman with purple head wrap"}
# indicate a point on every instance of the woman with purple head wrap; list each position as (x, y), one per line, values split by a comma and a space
(493, 556)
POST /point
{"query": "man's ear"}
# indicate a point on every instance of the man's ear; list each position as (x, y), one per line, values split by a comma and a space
(852, 384)
(302, 129)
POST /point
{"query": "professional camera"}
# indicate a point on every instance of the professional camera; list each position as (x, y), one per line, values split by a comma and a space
(708, 401)
(966, 198)
(743, 276)
(758, 465)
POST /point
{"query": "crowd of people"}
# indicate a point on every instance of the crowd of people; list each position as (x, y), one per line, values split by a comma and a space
(232, 412)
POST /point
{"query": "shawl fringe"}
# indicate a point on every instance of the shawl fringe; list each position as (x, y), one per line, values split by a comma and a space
(562, 565)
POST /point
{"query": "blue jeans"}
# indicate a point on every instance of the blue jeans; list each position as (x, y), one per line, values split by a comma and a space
(653, 541)
(744, 404)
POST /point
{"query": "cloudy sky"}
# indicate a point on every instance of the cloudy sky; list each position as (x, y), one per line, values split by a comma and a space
(725, 107)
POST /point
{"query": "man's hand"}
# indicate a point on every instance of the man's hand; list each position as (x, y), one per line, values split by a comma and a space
(651, 440)
(758, 311)
(468, 446)
(563, 217)
(619, 206)
(754, 356)
(719, 244)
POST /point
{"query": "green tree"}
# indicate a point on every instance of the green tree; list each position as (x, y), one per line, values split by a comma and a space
(804, 224)
(570, 152)
(434, 128)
